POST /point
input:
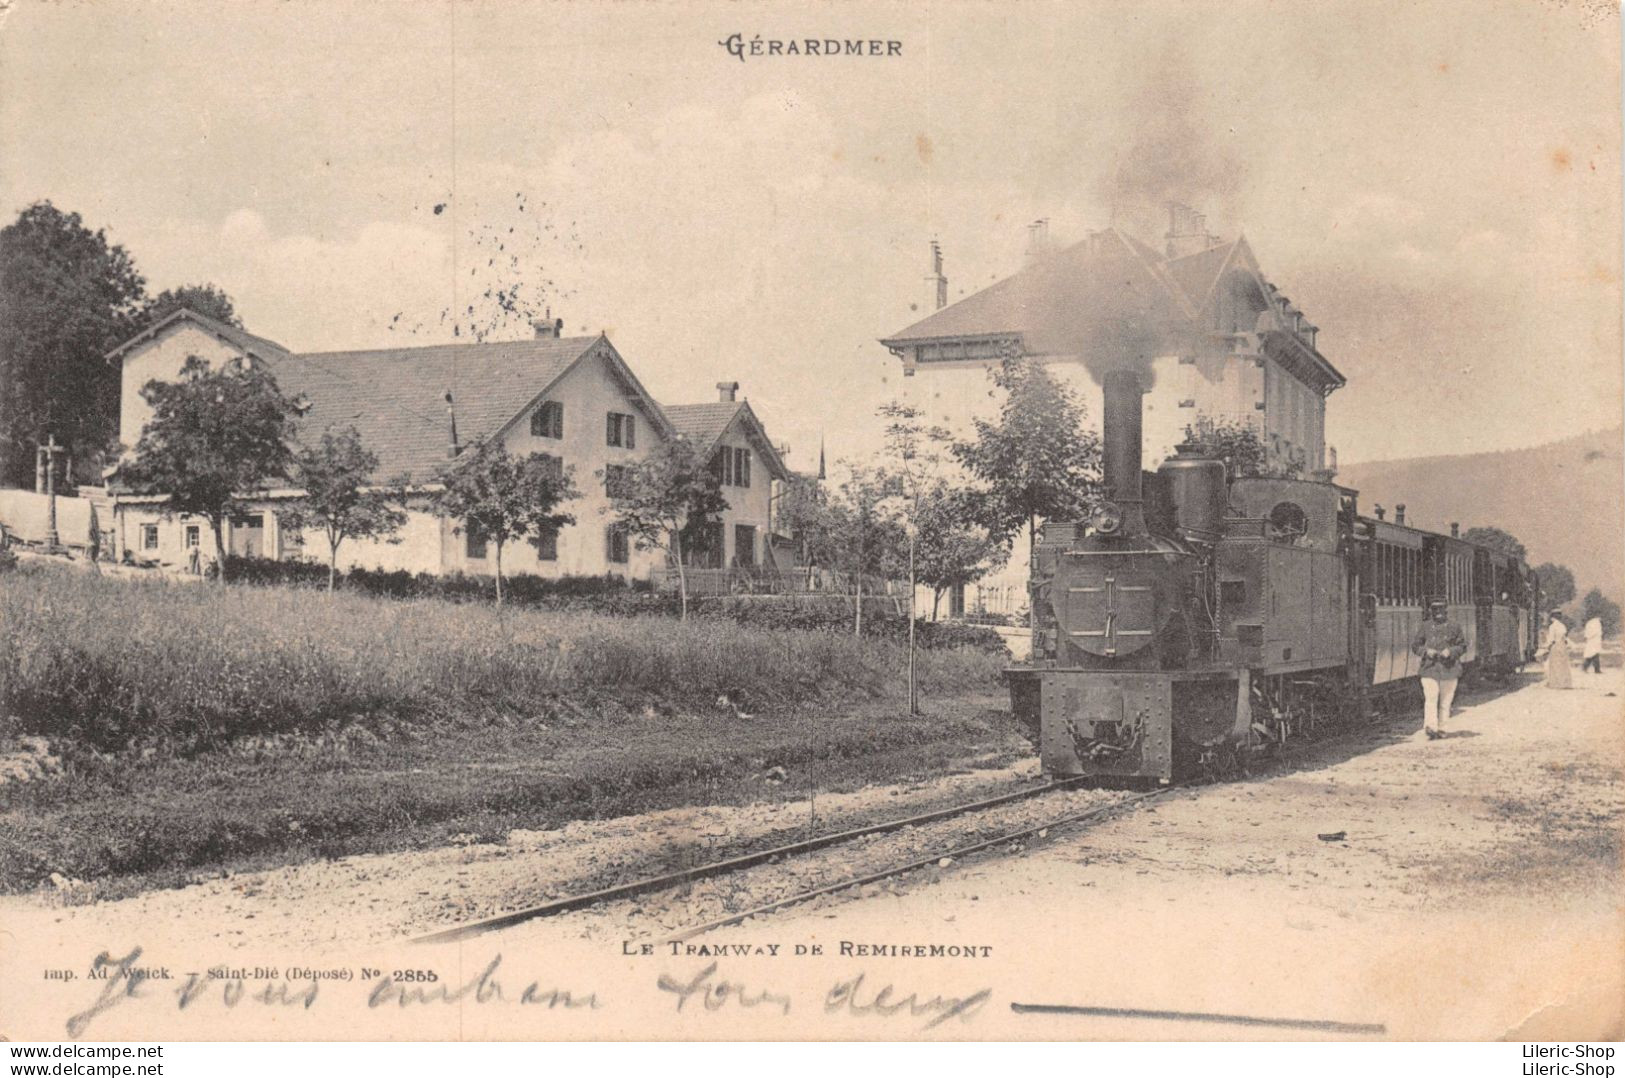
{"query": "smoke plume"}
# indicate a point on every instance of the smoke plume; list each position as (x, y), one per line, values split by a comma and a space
(1172, 148)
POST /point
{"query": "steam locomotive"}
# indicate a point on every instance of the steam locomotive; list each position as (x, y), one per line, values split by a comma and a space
(1196, 620)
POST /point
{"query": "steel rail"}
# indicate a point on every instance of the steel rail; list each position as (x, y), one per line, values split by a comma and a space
(732, 864)
(924, 862)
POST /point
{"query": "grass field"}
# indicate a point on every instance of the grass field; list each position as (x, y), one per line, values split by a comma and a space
(203, 728)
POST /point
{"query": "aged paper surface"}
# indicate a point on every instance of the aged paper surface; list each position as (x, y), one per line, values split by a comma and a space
(759, 196)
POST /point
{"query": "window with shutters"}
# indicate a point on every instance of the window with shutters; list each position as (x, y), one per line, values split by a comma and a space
(547, 544)
(616, 547)
(617, 481)
(621, 430)
(547, 421)
(734, 466)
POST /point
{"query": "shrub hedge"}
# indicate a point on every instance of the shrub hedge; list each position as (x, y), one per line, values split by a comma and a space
(613, 595)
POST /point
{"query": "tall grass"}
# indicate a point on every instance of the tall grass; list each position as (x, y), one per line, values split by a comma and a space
(113, 663)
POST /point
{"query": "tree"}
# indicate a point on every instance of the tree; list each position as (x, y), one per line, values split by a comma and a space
(911, 445)
(67, 297)
(1240, 448)
(804, 513)
(863, 533)
(1502, 543)
(502, 498)
(1037, 461)
(336, 475)
(953, 550)
(204, 299)
(1597, 605)
(215, 438)
(1556, 581)
(664, 499)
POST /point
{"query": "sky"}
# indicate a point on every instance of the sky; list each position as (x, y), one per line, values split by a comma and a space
(1437, 186)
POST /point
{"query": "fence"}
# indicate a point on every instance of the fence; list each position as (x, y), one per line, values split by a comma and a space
(763, 580)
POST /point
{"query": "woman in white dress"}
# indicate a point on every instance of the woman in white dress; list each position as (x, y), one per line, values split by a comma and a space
(1557, 653)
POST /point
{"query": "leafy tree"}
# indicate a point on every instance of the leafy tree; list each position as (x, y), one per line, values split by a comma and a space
(67, 297)
(503, 498)
(215, 438)
(804, 513)
(912, 449)
(1240, 447)
(1037, 460)
(1556, 582)
(336, 475)
(1597, 605)
(953, 550)
(664, 499)
(204, 299)
(1503, 543)
(864, 535)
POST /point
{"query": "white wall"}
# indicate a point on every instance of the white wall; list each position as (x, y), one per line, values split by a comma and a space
(589, 393)
(162, 360)
(746, 505)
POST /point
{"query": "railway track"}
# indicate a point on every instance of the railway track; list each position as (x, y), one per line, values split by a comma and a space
(666, 881)
(723, 867)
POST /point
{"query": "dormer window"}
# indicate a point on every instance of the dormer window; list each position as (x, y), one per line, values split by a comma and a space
(547, 421)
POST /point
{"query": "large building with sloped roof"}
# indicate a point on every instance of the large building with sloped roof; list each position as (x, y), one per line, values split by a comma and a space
(1216, 339)
(572, 398)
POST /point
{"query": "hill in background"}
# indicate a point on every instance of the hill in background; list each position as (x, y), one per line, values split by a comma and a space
(1562, 500)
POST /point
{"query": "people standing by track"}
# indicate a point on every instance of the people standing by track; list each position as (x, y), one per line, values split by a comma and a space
(1441, 643)
(1557, 653)
(1592, 656)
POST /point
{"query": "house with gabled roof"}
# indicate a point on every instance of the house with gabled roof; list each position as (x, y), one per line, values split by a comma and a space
(1220, 341)
(729, 436)
(572, 398)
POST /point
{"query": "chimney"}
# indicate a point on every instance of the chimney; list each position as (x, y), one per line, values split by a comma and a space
(1377, 509)
(1038, 239)
(1187, 231)
(1399, 513)
(937, 278)
(1455, 529)
(727, 391)
(1121, 434)
(452, 448)
(547, 327)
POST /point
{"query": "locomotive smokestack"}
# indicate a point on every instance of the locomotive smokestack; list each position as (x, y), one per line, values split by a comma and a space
(1121, 434)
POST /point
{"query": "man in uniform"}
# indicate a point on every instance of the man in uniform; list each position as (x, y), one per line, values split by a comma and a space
(1441, 644)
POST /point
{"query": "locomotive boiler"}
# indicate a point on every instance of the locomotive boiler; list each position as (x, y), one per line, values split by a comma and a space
(1197, 619)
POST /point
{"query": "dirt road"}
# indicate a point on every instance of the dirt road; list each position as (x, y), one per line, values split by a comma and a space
(1476, 891)
(1471, 889)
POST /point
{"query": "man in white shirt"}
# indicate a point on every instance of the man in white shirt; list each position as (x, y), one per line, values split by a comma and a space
(1593, 648)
